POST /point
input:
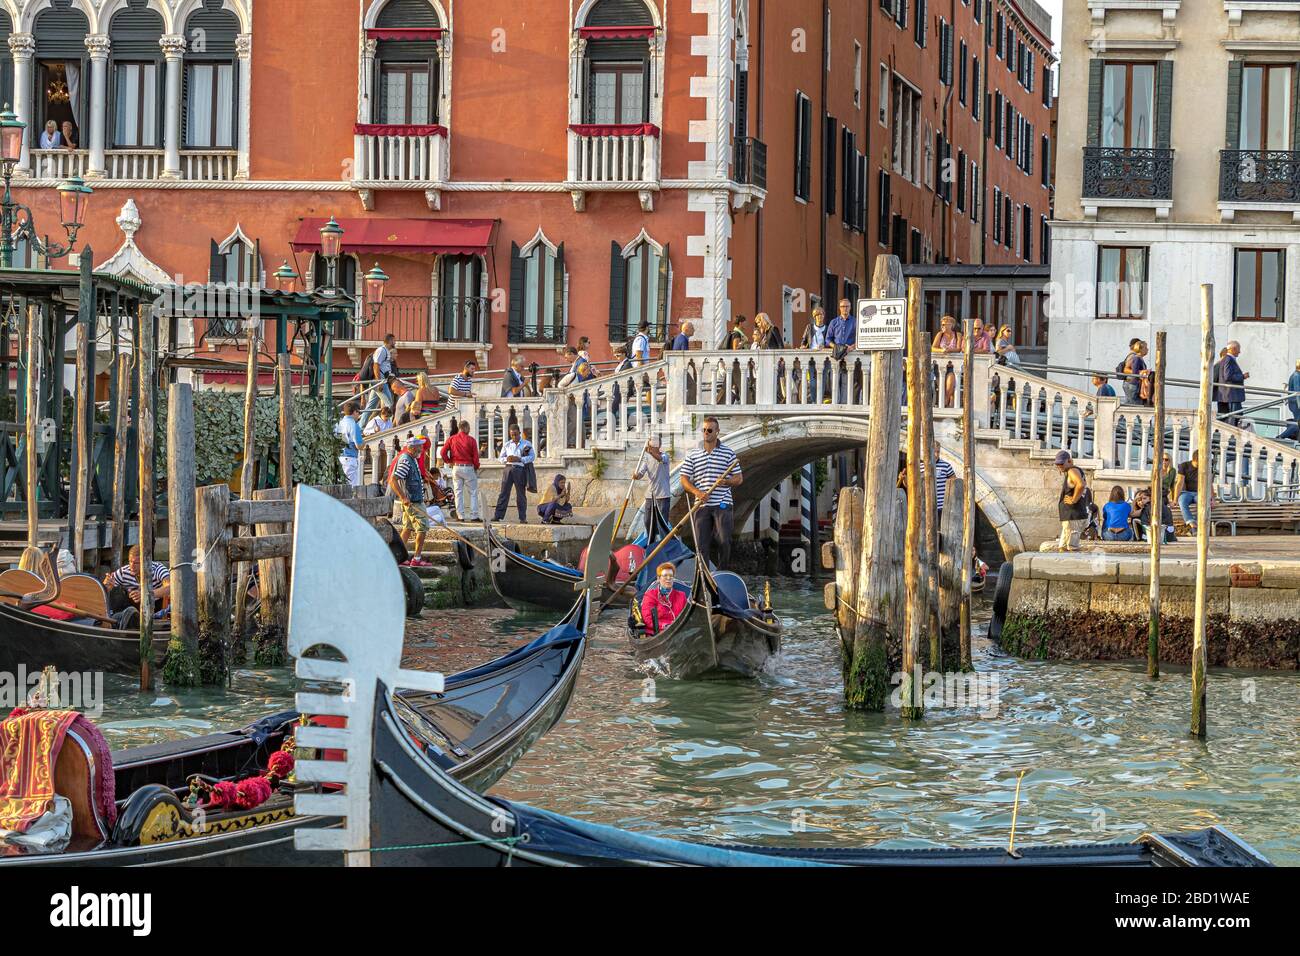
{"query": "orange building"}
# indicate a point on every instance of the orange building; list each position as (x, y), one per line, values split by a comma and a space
(529, 172)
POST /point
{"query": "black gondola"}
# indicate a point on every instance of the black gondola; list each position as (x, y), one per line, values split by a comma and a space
(534, 584)
(722, 631)
(31, 641)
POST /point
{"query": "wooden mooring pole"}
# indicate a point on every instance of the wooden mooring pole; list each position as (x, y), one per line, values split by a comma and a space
(1156, 526)
(33, 431)
(121, 423)
(269, 647)
(968, 488)
(929, 519)
(83, 441)
(238, 652)
(144, 443)
(1204, 473)
(286, 424)
(212, 540)
(918, 609)
(182, 667)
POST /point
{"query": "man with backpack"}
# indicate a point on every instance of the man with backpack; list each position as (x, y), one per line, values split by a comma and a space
(640, 348)
(378, 368)
(1072, 505)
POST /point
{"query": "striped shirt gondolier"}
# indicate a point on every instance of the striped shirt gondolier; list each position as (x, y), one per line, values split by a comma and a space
(124, 577)
(704, 468)
(461, 383)
(407, 470)
(943, 473)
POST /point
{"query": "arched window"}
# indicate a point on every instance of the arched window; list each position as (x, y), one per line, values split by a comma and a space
(407, 63)
(616, 66)
(461, 303)
(136, 87)
(210, 97)
(61, 94)
(233, 260)
(538, 303)
(639, 289)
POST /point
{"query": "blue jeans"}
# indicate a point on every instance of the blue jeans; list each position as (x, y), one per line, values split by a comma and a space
(1110, 534)
(372, 403)
(1187, 505)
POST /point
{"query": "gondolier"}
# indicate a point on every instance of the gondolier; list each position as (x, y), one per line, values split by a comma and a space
(658, 496)
(714, 515)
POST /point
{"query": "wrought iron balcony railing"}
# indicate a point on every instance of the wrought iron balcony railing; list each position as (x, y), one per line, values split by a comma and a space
(1259, 175)
(1117, 173)
(751, 162)
(422, 318)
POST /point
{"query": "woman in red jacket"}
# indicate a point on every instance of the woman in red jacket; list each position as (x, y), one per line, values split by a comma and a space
(662, 603)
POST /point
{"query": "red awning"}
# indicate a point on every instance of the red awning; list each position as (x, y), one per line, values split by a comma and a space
(405, 33)
(397, 129)
(446, 236)
(615, 33)
(615, 129)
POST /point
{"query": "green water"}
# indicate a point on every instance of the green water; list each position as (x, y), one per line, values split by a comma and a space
(778, 760)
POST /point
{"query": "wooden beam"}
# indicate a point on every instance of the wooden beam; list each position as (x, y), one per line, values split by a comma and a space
(212, 534)
(83, 441)
(1204, 473)
(269, 648)
(918, 372)
(281, 512)
(144, 443)
(261, 548)
(246, 479)
(968, 489)
(1157, 523)
(120, 437)
(181, 534)
(33, 425)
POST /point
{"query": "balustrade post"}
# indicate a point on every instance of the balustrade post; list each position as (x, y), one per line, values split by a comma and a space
(765, 369)
(981, 373)
(1105, 413)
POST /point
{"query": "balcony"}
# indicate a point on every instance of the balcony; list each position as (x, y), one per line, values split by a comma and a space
(401, 157)
(1115, 176)
(749, 171)
(1259, 179)
(614, 158)
(137, 165)
(428, 322)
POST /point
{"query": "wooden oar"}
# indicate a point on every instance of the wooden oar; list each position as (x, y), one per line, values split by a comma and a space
(690, 513)
(460, 537)
(618, 525)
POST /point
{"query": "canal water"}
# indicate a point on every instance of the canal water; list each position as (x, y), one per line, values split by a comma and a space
(778, 760)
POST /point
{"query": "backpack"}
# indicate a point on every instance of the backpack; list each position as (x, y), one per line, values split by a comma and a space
(367, 373)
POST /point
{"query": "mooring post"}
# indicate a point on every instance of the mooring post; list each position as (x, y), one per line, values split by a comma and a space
(1204, 474)
(1156, 526)
(846, 551)
(182, 667)
(120, 441)
(83, 441)
(878, 596)
(269, 647)
(33, 428)
(286, 424)
(918, 609)
(212, 539)
(246, 477)
(949, 571)
(930, 518)
(967, 553)
(144, 443)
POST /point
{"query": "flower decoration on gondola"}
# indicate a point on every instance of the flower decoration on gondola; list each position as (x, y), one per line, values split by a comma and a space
(246, 794)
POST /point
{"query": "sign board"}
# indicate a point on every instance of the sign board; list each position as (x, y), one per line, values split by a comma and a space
(882, 324)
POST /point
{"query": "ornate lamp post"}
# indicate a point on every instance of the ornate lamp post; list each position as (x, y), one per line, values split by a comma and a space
(375, 281)
(285, 277)
(331, 244)
(74, 196)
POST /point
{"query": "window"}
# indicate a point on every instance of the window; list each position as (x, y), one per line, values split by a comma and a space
(802, 147)
(827, 34)
(537, 278)
(852, 292)
(1008, 222)
(961, 75)
(1044, 241)
(406, 94)
(882, 209)
(1265, 108)
(210, 106)
(907, 121)
(233, 261)
(646, 291)
(829, 145)
(1027, 233)
(857, 74)
(997, 214)
(61, 97)
(918, 246)
(884, 95)
(848, 147)
(975, 86)
(618, 93)
(461, 305)
(1121, 282)
(135, 105)
(961, 181)
(1259, 285)
(975, 186)
(1046, 162)
(997, 120)
(1128, 105)
(921, 28)
(1001, 33)
(945, 52)
(1047, 86)
(900, 13)
(345, 276)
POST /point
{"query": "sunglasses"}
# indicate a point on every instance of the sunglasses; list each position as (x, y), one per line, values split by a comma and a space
(709, 431)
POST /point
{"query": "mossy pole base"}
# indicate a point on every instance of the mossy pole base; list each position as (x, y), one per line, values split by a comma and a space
(182, 667)
(866, 674)
(212, 664)
(269, 647)
(212, 536)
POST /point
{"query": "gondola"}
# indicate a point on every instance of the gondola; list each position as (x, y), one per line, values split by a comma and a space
(722, 631)
(535, 584)
(473, 729)
(31, 641)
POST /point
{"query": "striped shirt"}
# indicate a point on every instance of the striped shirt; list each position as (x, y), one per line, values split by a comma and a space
(943, 472)
(407, 471)
(703, 469)
(462, 383)
(124, 577)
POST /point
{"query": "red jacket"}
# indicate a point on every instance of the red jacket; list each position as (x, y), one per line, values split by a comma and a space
(667, 610)
(460, 449)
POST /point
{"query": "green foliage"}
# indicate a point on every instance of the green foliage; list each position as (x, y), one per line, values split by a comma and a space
(599, 465)
(1025, 635)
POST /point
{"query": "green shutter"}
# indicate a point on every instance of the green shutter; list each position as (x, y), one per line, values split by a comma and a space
(660, 331)
(515, 329)
(1096, 69)
(557, 322)
(617, 294)
(1295, 105)
(1164, 102)
(1232, 134)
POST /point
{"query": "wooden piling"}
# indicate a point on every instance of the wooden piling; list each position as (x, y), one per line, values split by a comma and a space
(121, 424)
(144, 444)
(845, 553)
(968, 490)
(269, 647)
(246, 477)
(286, 423)
(84, 441)
(182, 667)
(918, 411)
(929, 522)
(1204, 473)
(948, 571)
(1157, 524)
(212, 540)
(878, 595)
(33, 429)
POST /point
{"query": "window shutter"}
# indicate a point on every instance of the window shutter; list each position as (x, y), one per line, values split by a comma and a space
(558, 323)
(828, 165)
(662, 317)
(1295, 106)
(617, 294)
(1095, 73)
(515, 331)
(216, 264)
(882, 228)
(1164, 101)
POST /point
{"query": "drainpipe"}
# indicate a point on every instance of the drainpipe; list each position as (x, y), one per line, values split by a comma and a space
(821, 232)
(758, 130)
(986, 120)
(947, 112)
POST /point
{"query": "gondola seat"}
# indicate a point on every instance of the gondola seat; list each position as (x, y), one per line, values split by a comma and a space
(14, 584)
(85, 594)
(80, 777)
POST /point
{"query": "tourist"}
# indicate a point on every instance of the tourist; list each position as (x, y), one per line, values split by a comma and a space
(943, 473)
(948, 341)
(1115, 515)
(1168, 476)
(462, 386)
(737, 338)
(437, 497)
(1072, 506)
(815, 335)
(1293, 386)
(1186, 489)
(348, 431)
(516, 455)
(555, 506)
(50, 138)
(842, 333)
(982, 338)
(1142, 520)
(659, 495)
(1131, 370)
(406, 481)
(663, 603)
(1006, 349)
(682, 340)
(622, 362)
(378, 368)
(69, 135)
(123, 584)
(512, 380)
(702, 476)
(1231, 395)
(382, 422)
(460, 451)
(425, 399)
(1103, 386)
(574, 359)
(641, 344)
(584, 348)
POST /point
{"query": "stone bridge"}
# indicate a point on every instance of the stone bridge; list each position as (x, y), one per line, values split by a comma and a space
(781, 410)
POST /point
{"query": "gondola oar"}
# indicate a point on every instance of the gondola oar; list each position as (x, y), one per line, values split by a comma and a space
(673, 533)
(618, 525)
(461, 538)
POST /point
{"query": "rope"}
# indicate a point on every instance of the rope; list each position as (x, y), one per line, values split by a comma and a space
(507, 842)
(1015, 810)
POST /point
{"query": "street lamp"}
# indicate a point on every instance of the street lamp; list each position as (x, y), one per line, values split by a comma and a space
(16, 220)
(331, 244)
(285, 277)
(375, 281)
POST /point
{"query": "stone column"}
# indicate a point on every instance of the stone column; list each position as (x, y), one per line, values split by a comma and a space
(244, 47)
(366, 85)
(173, 47)
(98, 46)
(22, 46)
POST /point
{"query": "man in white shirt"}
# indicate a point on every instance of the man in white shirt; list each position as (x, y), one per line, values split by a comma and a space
(382, 361)
(349, 430)
(517, 454)
(641, 344)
